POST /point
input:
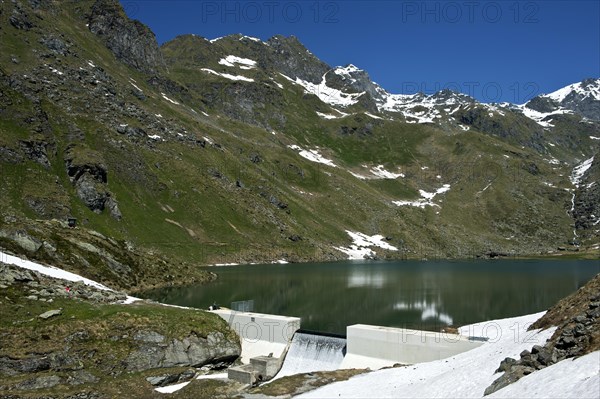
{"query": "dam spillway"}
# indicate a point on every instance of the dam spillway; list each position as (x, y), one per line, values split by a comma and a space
(309, 352)
(274, 342)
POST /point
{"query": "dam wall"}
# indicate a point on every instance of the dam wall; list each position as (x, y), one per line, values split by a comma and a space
(261, 334)
(376, 346)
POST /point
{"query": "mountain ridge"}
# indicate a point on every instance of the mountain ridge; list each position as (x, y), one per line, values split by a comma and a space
(243, 151)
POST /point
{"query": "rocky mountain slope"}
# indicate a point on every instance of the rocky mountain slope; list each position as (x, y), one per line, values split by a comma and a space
(578, 320)
(238, 150)
(86, 343)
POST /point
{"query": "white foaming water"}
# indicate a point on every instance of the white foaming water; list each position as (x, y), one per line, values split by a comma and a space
(309, 352)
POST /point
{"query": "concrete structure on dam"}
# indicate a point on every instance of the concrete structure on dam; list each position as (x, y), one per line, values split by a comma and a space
(261, 334)
(376, 347)
(266, 340)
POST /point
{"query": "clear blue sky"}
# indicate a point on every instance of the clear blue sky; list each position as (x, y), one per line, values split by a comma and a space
(493, 50)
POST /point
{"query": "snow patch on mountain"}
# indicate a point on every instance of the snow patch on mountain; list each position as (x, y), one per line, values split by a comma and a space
(380, 172)
(137, 88)
(327, 116)
(346, 71)
(228, 76)
(373, 116)
(312, 155)
(242, 38)
(541, 117)
(55, 272)
(579, 171)
(168, 99)
(233, 61)
(362, 244)
(376, 172)
(277, 83)
(426, 198)
(327, 94)
(253, 39)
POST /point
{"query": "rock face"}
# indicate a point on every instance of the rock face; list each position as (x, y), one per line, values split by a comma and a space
(479, 119)
(90, 177)
(195, 351)
(586, 211)
(578, 333)
(131, 41)
(291, 58)
(36, 151)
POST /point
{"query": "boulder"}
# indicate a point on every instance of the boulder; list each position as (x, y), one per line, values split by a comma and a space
(81, 377)
(50, 313)
(43, 382)
(33, 364)
(22, 239)
(12, 274)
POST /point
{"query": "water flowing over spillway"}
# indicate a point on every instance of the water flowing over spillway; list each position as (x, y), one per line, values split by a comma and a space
(310, 352)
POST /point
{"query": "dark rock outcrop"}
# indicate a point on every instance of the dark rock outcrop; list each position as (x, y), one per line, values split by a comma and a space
(20, 19)
(132, 42)
(55, 44)
(89, 175)
(291, 58)
(520, 130)
(37, 151)
(168, 379)
(586, 211)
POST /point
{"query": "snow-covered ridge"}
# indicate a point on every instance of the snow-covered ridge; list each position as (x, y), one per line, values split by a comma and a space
(422, 108)
(233, 61)
(241, 38)
(592, 90)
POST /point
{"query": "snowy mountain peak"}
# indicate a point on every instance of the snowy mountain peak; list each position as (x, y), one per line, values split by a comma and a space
(582, 98)
(347, 70)
(587, 88)
(448, 96)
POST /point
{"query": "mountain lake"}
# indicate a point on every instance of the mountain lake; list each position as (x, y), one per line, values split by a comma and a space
(424, 295)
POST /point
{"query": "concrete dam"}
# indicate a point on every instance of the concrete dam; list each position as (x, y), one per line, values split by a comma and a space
(311, 351)
(273, 347)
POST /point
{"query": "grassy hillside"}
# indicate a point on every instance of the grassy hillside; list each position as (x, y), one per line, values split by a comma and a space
(193, 168)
